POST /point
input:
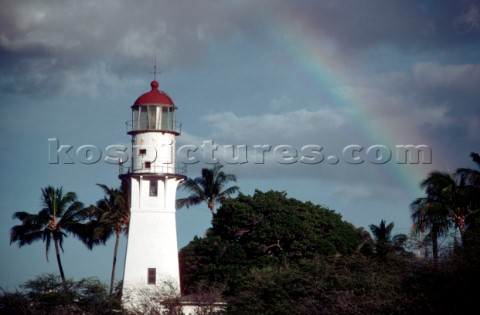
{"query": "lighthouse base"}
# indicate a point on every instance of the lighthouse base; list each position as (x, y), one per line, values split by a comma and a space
(151, 262)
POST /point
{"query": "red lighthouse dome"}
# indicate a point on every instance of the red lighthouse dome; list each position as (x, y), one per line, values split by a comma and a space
(154, 97)
(154, 111)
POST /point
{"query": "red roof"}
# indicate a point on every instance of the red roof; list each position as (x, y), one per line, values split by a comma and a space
(154, 97)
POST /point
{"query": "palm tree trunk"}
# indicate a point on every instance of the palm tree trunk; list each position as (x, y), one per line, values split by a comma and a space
(434, 246)
(57, 252)
(461, 225)
(112, 280)
(211, 206)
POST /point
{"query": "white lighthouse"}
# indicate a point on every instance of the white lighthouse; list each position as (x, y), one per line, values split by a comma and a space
(152, 253)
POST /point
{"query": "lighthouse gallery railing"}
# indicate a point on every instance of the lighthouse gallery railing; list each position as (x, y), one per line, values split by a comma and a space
(176, 168)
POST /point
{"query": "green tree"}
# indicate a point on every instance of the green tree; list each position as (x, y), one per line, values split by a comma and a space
(452, 192)
(350, 284)
(44, 295)
(430, 218)
(471, 177)
(209, 188)
(60, 214)
(266, 229)
(384, 241)
(447, 194)
(111, 216)
(452, 200)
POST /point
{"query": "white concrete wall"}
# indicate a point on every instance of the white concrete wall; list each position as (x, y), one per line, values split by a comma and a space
(160, 151)
(152, 238)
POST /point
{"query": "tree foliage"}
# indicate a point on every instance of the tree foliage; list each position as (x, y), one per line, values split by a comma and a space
(61, 214)
(110, 217)
(209, 188)
(452, 201)
(44, 295)
(386, 243)
(266, 229)
(350, 284)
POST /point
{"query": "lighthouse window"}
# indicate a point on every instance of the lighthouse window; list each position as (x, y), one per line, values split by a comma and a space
(148, 165)
(142, 120)
(152, 276)
(167, 118)
(153, 188)
(152, 112)
(135, 119)
(142, 151)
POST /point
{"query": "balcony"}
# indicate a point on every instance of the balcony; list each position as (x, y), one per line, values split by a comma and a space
(172, 127)
(158, 168)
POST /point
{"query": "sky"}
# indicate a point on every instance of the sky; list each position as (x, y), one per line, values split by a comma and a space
(329, 91)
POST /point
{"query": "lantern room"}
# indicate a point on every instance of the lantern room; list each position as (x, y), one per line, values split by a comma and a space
(154, 111)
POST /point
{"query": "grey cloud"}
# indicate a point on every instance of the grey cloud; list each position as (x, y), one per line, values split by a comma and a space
(43, 42)
(355, 192)
(323, 128)
(470, 20)
(272, 128)
(463, 77)
(407, 25)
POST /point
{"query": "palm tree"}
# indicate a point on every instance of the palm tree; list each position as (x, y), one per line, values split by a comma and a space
(384, 241)
(430, 216)
(60, 214)
(452, 199)
(110, 216)
(471, 176)
(451, 192)
(208, 188)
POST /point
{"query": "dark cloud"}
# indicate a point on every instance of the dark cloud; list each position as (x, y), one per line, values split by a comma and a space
(63, 47)
(408, 25)
(57, 38)
(49, 39)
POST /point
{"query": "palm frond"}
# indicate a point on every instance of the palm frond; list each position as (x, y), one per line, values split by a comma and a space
(475, 158)
(110, 214)
(47, 237)
(209, 188)
(381, 232)
(59, 236)
(106, 190)
(229, 191)
(188, 202)
(23, 216)
(22, 236)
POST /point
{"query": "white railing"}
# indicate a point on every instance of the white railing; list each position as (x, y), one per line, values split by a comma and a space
(175, 127)
(177, 168)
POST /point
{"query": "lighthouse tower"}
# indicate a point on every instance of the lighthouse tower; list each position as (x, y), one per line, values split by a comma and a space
(152, 254)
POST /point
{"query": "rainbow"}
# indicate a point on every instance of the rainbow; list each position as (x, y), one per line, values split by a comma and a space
(329, 75)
